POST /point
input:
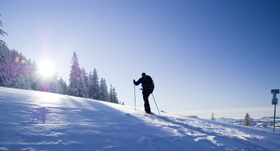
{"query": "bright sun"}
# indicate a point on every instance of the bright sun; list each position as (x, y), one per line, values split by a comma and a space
(46, 68)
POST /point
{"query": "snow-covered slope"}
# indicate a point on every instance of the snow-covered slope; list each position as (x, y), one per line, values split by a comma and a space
(31, 120)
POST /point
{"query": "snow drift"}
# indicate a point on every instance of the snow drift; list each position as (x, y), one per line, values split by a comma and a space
(32, 120)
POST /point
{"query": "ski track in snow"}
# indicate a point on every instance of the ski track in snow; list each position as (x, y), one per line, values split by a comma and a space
(31, 120)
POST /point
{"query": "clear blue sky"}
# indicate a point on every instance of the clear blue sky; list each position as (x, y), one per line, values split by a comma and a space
(202, 55)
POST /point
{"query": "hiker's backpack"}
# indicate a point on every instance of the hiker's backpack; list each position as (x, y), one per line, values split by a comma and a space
(149, 83)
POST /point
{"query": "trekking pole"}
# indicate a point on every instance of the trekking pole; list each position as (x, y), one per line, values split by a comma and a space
(134, 97)
(155, 103)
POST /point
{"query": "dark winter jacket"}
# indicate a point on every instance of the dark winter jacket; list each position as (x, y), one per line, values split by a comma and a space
(147, 83)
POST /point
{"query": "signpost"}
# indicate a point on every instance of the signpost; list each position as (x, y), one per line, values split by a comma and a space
(274, 102)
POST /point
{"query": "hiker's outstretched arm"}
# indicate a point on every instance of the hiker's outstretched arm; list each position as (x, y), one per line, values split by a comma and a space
(138, 82)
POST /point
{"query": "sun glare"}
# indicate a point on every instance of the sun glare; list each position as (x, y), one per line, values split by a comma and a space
(46, 68)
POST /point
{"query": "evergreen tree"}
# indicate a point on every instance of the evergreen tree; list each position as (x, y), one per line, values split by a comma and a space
(86, 79)
(115, 98)
(75, 74)
(14, 69)
(247, 120)
(103, 91)
(76, 83)
(62, 86)
(94, 89)
(239, 122)
(4, 51)
(35, 79)
(85, 83)
(113, 95)
(18, 71)
(3, 33)
(21, 79)
(54, 84)
(212, 117)
(9, 68)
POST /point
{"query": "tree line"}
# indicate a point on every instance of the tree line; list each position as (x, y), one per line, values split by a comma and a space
(16, 71)
(87, 85)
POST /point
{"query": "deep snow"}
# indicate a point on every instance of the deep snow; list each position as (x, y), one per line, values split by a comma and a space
(32, 120)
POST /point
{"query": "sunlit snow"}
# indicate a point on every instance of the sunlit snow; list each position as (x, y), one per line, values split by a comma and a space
(32, 120)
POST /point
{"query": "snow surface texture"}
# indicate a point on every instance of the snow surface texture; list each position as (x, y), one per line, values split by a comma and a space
(32, 120)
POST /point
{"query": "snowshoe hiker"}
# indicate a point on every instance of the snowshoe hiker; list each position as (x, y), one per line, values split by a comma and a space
(147, 88)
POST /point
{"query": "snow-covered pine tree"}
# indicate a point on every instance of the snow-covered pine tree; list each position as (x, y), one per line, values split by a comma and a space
(62, 86)
(14, 69)
(54, 85)
(116, 100)
(3, 33)
(239, 122)
(90, 83)
(76, 84)
(212, 117)
(94, 89)
(3, 57)
(103, 91)
(9, 68)
(113, 95)
(4, 54)
(20, 71)
(35, 79)
(4, 51)
(247, 120)
(75, 76)
(84, 78)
